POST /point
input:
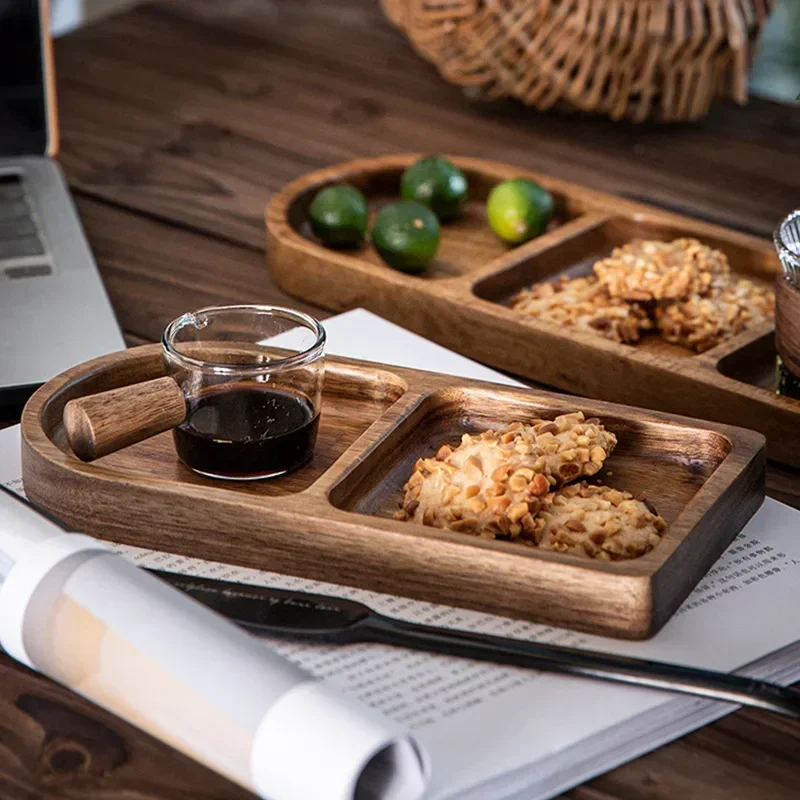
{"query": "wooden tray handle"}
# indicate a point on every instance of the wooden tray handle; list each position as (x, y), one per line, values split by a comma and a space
(787, 324)
(103, 423)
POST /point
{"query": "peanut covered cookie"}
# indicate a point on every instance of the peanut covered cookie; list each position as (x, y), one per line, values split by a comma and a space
(492, 484)
(583, 303)
(596, 521)
(645, 271)
(701, 323)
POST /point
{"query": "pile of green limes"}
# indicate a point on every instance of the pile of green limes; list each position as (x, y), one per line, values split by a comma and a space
(406, 234)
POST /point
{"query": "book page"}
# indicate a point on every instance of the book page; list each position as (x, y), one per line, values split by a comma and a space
(479, 720)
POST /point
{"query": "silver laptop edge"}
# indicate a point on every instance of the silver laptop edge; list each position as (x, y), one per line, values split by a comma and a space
(54, 311)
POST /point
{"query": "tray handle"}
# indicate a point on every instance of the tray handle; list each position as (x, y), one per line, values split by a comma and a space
(103, 423)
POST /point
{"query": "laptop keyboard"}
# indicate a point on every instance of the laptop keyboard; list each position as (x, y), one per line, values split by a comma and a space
(21, 240)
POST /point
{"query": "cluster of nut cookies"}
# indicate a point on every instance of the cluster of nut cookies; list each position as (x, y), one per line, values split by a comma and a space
(682, 288)
(702, 322)
(512, 484)
(584, 303)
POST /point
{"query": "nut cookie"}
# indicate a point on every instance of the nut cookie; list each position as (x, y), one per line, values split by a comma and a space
(597, 521)
(701, 323)
(645, 271)
(492, 484)
(583, 303)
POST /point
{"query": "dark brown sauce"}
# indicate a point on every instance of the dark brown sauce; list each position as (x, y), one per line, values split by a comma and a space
(246, 431)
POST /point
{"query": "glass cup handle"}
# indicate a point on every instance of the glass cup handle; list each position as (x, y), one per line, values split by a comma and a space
(103, 423)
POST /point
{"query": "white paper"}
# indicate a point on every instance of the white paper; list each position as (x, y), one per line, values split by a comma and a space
(361, 334)
(89, 619)
(496, 732)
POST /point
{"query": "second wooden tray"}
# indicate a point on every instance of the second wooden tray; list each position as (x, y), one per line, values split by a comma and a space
(461, 302)
(332, 519)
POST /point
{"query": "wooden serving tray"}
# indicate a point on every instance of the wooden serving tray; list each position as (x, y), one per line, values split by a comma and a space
(332, 519)
(461, 302)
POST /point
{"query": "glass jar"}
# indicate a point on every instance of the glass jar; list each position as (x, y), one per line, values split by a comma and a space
(252, 377)
(787, 243)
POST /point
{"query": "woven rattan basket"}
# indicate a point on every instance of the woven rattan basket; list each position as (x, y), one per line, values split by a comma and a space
(665, 60)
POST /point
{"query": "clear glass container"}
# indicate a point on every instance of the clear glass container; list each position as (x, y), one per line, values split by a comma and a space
(787, 243)
(252, 377)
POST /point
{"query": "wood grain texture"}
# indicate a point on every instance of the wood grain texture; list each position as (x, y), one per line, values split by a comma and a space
(334, 523)
(787, 323)
(235, 99)
(102, 423)
(154, 272)
(54, 745)
(462, 299)
(178, 122)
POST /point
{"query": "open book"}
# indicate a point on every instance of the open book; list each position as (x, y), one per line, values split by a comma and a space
(499, 732)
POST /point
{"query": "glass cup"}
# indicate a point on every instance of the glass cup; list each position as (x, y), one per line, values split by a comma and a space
(787, 305)
(787, 243)
(252, 377)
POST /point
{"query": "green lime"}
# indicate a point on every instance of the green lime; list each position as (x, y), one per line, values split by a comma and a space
(519, 209)
(406, 235)
(435, 183)
(339, 216)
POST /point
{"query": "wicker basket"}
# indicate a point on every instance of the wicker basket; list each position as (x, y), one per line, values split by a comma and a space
(638, 59)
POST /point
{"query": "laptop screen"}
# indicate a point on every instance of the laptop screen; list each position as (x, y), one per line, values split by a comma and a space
(23, 114)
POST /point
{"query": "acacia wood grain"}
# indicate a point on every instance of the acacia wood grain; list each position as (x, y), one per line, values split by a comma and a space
(787, 323)
(102, 423)
(331, 522)
(462, 299)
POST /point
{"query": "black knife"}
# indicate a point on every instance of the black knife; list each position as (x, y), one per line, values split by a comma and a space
(333, 620)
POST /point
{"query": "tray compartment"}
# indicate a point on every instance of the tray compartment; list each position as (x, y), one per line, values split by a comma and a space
(467, 243)
(574, 256)
(667, 463)
(577, 252)
(352, 400)
(753, 364)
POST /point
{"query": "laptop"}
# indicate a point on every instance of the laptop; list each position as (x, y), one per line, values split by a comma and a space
(54, 311)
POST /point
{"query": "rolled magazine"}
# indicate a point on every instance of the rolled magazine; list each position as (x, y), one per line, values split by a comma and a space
(82, 615)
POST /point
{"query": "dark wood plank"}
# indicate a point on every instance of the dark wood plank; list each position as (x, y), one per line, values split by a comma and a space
(54, 745)
(231, 101)
(154, 271)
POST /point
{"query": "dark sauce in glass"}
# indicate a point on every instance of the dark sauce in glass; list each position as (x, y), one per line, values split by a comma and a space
(247, 431)
(788, 384)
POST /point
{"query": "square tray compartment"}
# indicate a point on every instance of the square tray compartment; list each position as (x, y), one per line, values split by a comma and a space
(680, 465)
(669, 464)
(575, 254)
(753, 364)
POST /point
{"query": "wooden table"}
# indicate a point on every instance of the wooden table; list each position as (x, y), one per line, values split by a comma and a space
(179, 120)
